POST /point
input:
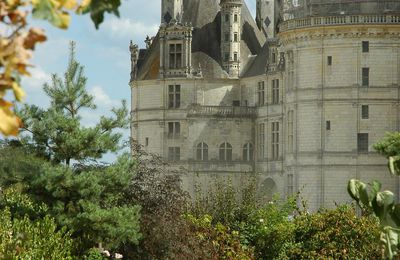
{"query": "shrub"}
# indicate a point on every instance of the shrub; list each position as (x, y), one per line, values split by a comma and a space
(26, 239)
(335, 234)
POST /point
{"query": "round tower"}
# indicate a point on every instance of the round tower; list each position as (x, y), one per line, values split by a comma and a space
(230, 36)
(341, 93)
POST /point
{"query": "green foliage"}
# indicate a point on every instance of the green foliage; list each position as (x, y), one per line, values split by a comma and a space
(334, 234)
(94, 204)
(21, 238)
(225, 203)
(382, 205)
(56, 133)
(269, 228)
(390, 148)
(97, 8)
(220, 240)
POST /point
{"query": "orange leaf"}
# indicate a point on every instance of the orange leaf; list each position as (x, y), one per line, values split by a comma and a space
(34, 36)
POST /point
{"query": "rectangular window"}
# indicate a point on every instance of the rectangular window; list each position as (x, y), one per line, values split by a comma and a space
(365, 77)
(235, 56)
(235, 37)
(290, 184)
(362, 142)
(235, 18)
(174, 153)
(275, 140)
(227, 37)
(364, 111)
(328, 125)
(273, 57)
(147, 141)
(236, 103)
(290, 131)
(275, 91)
(174, 129)
(226, 58)
(175, 56)
(261, 136)
(174, 96)
(365, 46)
(261, 93)
(329, 60)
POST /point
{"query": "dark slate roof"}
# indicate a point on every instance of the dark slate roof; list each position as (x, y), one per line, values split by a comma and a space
(257, 64)
(204, 15)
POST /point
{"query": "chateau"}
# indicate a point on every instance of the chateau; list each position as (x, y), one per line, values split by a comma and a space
(295, 97)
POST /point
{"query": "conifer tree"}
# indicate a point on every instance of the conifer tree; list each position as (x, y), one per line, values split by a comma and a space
(57, 134)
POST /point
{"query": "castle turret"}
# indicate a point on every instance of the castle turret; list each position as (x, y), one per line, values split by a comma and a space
(231, 28)
(171, 9)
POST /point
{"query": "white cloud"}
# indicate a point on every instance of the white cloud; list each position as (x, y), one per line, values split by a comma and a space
(101, 99)
(37, 79)
(126, 28)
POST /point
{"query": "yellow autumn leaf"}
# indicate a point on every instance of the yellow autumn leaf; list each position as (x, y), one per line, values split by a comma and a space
(18, 92)
(9, 122)
(67, 4)
(65, 20)
(83, 6)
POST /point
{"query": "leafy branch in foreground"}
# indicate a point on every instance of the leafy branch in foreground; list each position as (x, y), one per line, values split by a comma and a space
(18, 40)
(382, 203)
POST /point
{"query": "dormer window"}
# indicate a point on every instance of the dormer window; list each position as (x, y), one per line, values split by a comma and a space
(175, 56)
(273, 57)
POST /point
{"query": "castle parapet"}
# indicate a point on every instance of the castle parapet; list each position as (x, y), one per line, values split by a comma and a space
(222, 111)
(338, 20)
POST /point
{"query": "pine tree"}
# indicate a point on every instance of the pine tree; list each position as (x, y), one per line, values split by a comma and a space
(57, 134)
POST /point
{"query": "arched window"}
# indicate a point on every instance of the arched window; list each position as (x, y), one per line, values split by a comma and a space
(225, 152)
(248, 152)
(202, 152)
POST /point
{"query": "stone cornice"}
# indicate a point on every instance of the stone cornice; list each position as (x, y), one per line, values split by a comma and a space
(340, 31)
(309, 28)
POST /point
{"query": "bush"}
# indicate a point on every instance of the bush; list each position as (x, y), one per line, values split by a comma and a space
(219, 241)
(335, 234)
(26, 239)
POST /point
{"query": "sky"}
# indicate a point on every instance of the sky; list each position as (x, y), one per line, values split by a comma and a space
(104, 53)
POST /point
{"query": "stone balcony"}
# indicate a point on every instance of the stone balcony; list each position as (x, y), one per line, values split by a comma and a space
(222, 111)
(338, 20)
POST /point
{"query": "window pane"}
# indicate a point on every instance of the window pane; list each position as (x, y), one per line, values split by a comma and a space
(222, 154)
(362, 142)
(365, 77)
(179, 48)
(178, 60)
(205, 154)
(178, 100)
(364, 111)
(171, 101)
(365, 46)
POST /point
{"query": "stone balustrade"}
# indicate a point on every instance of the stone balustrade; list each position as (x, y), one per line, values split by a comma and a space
(222, 111)
(338, 20)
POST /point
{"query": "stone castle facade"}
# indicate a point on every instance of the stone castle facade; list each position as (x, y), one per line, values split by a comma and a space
(295, 97)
